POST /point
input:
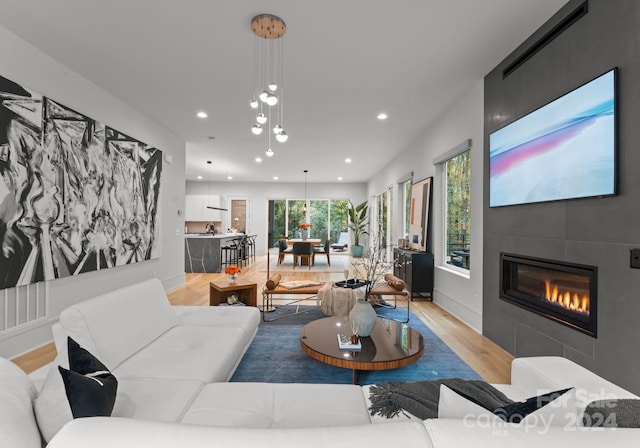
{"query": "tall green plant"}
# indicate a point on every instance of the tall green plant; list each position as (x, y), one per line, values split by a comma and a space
(358, 220)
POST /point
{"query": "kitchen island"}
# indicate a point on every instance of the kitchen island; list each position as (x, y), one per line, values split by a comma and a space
(202, 251)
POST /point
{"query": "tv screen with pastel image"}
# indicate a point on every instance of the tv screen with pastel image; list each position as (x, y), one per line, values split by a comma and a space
(563, 150)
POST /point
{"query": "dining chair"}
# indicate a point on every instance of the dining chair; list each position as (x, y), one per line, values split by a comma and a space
(283, 249)
(302, 250)
(322, 250)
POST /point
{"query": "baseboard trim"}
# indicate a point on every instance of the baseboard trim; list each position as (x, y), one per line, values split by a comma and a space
(174, 282)
(459, 310)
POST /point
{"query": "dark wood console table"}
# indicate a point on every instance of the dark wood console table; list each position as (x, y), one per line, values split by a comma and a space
(416, 269)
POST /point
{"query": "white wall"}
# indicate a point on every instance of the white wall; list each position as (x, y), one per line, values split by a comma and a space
(464, 120)
(260, 193)
(24, 64)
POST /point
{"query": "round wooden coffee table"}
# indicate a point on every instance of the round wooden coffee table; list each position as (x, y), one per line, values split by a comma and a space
(391, 345)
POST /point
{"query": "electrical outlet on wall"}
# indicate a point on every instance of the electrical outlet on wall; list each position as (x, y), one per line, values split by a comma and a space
(635, 258)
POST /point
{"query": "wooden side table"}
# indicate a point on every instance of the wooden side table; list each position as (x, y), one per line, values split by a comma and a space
(246, 291)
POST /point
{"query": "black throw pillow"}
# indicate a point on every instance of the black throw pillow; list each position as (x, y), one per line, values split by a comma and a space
(518, 410)
(515, 412)
(90, 387)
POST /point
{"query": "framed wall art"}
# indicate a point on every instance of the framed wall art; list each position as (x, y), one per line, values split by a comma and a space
(76, 195)
(420, 215)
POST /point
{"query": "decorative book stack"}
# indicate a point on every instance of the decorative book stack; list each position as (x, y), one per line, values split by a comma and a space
(344, 342)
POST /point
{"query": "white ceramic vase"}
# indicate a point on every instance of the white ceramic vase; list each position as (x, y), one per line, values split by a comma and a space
(363, 317)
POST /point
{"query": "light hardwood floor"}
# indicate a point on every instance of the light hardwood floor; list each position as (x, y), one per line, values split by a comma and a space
(485, 357)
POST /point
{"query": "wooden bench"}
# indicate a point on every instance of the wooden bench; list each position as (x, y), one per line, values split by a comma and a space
(274, 289)
(393, 288)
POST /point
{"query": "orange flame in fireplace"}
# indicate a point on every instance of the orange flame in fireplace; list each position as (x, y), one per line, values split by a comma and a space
(565, 299)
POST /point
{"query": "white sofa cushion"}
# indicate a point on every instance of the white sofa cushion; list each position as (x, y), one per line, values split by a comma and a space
(270, 405)
(156, 399)
(245, 317)
(117, 324)
(118, 432)
(454, 433)
(18, 426)
(206, 354)
(541, 374)
(50, 406)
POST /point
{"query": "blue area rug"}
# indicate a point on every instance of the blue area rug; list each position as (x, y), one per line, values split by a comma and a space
(275, 356)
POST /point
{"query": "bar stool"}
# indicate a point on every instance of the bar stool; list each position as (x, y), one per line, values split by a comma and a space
(231, 254)
(251, 247)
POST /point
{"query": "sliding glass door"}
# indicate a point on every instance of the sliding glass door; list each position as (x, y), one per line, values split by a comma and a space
(328, 218)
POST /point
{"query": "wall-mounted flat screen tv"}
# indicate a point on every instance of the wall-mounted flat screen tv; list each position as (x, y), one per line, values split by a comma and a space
(563, 150)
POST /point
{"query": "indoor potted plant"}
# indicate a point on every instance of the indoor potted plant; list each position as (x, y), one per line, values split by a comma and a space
(358, 225)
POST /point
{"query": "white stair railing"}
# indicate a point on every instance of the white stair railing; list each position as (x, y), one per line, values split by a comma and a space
(22, 305)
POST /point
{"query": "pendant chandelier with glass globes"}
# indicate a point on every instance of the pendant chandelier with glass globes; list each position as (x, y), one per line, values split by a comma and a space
(268, 93)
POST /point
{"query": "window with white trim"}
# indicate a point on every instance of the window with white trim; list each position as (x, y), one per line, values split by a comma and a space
(457, 210)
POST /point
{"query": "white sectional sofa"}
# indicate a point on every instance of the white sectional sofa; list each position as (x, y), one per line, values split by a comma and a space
(172, 364)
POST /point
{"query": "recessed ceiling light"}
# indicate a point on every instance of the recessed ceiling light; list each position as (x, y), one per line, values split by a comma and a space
(258, 159)
(202, 114)
(229, 177)
(275, 177)
(382, 116)
(340, 178)
(347, 160)
(199, 177)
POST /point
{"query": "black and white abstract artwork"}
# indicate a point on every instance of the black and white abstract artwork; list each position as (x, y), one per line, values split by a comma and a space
(76, 195)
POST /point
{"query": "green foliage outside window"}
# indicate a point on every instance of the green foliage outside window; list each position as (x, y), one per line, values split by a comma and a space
(407, 206)
(279, 219)
(296, 216)
(339, 218)
(328, 218)
(458, 210)
(319, 212)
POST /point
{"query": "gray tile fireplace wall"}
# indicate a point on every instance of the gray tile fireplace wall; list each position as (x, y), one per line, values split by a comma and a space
(596, 231)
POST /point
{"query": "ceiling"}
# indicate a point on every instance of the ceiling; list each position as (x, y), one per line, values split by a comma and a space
(344, 62)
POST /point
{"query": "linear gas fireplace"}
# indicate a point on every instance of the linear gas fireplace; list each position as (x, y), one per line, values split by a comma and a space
(564, 292)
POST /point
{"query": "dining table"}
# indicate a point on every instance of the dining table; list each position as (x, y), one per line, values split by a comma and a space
(314, 241)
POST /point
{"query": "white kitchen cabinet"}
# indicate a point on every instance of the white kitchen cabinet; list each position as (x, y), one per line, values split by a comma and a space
(209, 214)
(193, 207)
(196, 208)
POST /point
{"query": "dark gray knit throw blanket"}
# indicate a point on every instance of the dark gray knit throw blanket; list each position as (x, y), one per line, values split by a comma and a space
(420, 398)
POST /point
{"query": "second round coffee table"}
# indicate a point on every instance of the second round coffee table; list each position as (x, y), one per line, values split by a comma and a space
(391, 345)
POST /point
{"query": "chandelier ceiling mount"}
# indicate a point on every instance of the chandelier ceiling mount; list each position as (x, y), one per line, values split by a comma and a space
(268, 92)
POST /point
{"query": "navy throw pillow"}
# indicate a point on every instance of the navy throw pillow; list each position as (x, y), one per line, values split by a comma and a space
(90, 387)
(515, 412)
